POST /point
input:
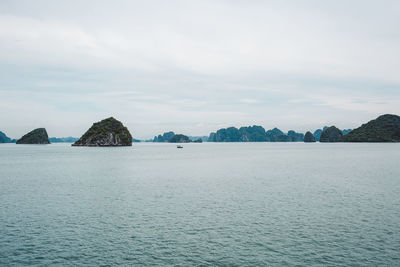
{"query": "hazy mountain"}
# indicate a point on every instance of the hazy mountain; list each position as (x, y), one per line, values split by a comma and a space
(5, 139)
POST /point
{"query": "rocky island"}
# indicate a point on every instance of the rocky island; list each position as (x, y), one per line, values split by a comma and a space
(108, 132)
(37, 136)
(309, 138)
(385, 128)
(331, 135)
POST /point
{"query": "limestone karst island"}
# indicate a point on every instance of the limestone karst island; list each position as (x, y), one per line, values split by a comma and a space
(108, 132)
(37, 136)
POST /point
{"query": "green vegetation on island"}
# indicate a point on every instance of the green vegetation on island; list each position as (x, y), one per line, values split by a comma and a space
(385, 128)
(37, 136)
(108, 132)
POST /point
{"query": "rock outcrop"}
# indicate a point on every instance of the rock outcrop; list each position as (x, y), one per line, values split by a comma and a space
(330, 135)
(108, 132)
(37, 136)
(385, 128)
(309, 138)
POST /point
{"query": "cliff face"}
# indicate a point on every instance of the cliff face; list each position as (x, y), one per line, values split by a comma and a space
(108, 132)
(330, 135)
(385, 128)
(309, 138)
(37, 136)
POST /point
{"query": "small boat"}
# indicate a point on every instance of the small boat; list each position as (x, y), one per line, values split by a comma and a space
(179, 146)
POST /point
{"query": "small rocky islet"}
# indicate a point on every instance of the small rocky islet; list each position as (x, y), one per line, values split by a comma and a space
(108, 132)
(37, 136)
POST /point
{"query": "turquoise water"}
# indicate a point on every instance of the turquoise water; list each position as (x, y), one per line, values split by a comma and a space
(242, 204)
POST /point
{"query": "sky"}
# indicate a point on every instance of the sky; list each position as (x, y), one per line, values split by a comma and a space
(197, 66)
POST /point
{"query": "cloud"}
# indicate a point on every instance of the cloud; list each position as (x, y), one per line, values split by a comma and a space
(226, 40)
(180, 64)
(373, 105)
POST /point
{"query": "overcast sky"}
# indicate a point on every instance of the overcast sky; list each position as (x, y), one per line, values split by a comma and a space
(197, 66)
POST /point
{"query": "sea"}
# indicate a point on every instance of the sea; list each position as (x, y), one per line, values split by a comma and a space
(209, 204)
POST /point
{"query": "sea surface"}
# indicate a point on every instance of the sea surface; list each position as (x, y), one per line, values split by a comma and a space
(210, 204)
